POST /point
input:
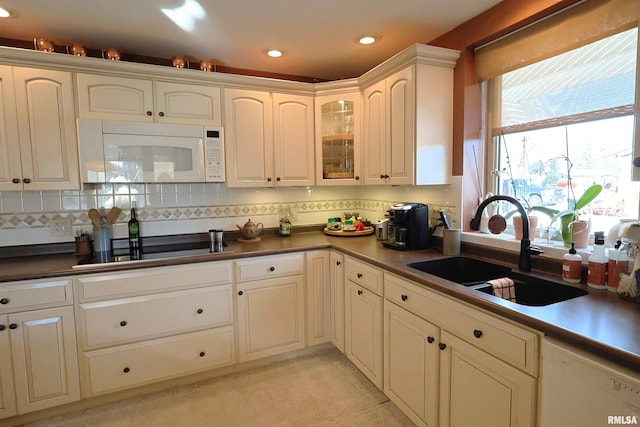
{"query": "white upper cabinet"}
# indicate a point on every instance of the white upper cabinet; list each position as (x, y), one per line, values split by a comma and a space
(408, 119)
(269, 139)
(293, 140)
(248, 126)
(38, 144)
(338, 138)
(123, 98)
(389, 130)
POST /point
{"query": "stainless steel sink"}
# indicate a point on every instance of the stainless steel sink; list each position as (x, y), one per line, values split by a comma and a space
(530, 291)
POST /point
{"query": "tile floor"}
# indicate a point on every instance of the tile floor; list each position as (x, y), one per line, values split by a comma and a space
(320, 389)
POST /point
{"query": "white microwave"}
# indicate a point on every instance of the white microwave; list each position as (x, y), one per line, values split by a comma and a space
(132, 152)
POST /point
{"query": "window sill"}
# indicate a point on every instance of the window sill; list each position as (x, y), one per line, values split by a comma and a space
(553, 250)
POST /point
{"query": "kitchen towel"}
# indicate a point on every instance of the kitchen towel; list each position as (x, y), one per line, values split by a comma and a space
(504, 288)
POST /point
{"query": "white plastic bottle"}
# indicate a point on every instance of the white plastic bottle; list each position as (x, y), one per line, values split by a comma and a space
(618, 264)
(597, 277)
(572, 266)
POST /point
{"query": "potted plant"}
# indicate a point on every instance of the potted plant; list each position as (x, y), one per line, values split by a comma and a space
(569, 217)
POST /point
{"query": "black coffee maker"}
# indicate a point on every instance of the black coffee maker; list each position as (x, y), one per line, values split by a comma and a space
(408, 227)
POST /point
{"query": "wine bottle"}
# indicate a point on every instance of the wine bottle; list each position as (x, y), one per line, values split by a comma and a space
(134, 235)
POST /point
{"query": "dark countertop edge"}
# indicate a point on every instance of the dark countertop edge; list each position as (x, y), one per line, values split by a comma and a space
(483, 301)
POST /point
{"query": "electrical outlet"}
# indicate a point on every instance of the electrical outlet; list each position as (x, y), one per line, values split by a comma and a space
(60, 227)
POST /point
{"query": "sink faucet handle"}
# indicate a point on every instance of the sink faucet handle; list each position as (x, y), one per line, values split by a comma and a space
(535, 250)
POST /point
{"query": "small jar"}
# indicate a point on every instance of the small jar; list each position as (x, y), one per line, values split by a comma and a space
(285, 227)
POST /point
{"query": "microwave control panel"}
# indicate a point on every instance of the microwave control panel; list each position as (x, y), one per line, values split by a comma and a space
(214, 155)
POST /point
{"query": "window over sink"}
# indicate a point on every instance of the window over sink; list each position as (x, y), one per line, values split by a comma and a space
(564, 123)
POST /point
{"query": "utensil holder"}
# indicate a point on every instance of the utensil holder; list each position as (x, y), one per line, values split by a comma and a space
(102, 240)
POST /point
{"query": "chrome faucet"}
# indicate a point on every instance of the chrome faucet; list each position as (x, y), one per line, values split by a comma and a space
(524, 262)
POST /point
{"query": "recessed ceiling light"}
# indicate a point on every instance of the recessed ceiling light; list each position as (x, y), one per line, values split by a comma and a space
(274, 53)
(368, 39)
(4, 13)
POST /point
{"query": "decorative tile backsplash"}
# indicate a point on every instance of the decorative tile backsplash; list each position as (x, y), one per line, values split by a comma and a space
(165, 209)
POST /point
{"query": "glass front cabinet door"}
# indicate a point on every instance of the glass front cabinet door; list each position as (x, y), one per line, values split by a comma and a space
(338, 139)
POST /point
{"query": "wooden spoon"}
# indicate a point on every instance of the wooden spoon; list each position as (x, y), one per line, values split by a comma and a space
(94, 216)
(112, 215)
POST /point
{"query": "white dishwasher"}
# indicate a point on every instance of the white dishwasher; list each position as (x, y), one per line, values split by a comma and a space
(579, 389)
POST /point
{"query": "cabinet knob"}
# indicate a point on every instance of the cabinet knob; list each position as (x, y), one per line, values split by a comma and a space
(359, 292)
(27, 180)
(2, 327)
(357, 178)
(202, 354)
(430, 340)
(269, 179)
(200, 311)
(161, 114)
(126, 370)
(16, 180)
(477, 333)
(240, 293)
(272, 269)
(381, 176)
(338, 263)
(149, 113)
(404, 297)
(359, 275)
(13, 326)
(442, 346)
(278, 178)
(4, 301)
(123, 323)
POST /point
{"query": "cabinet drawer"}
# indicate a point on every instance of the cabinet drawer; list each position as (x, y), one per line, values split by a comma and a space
(153, 280)
(129, 319)
(269, 267)
(131, 365)
(33, 295)
(364, 275)
(507, 341)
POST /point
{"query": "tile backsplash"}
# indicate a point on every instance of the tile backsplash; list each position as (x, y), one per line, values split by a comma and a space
(166, 209)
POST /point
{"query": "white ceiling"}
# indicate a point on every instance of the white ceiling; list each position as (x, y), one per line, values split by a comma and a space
(318, 37)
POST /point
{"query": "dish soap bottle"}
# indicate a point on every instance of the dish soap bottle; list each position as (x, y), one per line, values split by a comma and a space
(134, 235)
(597, 277)
(572, 266)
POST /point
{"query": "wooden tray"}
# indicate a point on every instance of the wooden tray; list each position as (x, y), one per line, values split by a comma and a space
(367, 230)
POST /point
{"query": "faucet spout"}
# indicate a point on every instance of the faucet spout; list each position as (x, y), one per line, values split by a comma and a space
(524, 261)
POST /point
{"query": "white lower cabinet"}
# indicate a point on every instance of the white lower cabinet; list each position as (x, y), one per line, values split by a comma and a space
(450, 365)
(363, 331)
(38, 356)
(117, 368)
(150, 325)
(271, 315)
(337, 299)
(317, 285)
(411, 364)
(477, 389)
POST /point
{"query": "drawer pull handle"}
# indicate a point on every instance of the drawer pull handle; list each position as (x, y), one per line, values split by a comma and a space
(477, 333)
(13, 326)
(200, 311)
(126, 370)
(404, 297)
(4, 301)
(272, 269)
(359, 275)
(359, 292)
(240, 293)
(202, 354)
(442, 346)
(2, 327)
(123, 323)
(430, 340)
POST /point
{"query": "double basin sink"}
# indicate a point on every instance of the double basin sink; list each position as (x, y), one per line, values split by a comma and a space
(473, 273)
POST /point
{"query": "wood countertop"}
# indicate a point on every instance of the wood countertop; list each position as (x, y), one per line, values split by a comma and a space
(601, 322)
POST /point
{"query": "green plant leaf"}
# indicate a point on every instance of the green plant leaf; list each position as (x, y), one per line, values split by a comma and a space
(547, 211)
(589, 195)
